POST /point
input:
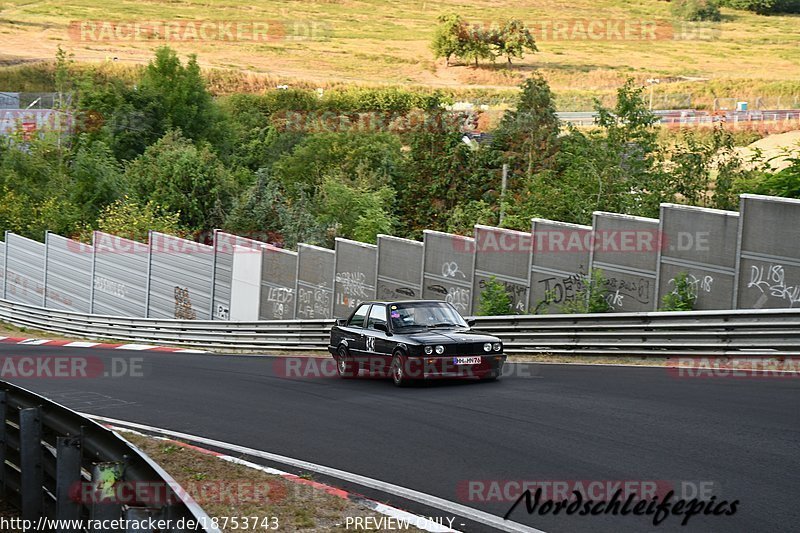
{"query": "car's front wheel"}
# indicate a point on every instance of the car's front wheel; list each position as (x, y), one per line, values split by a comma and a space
(399, 371)
(345, 365)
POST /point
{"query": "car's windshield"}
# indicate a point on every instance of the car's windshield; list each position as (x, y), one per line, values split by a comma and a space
(425, 315)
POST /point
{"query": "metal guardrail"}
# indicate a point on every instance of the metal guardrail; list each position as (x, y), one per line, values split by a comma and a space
(770, 332)
(59, 465)
(773, 332)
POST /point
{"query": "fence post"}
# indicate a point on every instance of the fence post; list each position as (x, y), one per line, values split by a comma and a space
(68, 475)
(44, 274)
(105, 503)
(5, 264)
(94, 265)
(149, 273)
(214, 275)
(30, 450)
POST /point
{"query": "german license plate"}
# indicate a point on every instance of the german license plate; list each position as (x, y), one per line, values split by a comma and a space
(474, 360)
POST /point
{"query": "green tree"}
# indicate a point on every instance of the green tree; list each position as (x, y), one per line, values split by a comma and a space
(15, 210)
(267, 213)
(376, 158)
(254, 126)
(494, 300)
(127, 119)
(63, 78)
(479, 44)
(696, 10)
(704, 171)
(35, 168)
(464, 216)
(785, 182)
(527, 135)
(355, 210)
(616, 167)
(187, 104)
(765, 7)
(131, 219)
(181, 177)
(96, 179)
(450, 37)
(514, 39)
(438, 175)
(260, 210)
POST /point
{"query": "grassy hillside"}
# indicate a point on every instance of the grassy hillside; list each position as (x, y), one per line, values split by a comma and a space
(379, 41)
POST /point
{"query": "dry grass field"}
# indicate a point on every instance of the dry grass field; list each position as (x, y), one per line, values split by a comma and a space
(585, 48)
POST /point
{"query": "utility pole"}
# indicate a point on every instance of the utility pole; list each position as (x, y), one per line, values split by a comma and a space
(503, 192)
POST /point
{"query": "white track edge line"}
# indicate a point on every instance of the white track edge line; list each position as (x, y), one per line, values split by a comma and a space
(382, 486)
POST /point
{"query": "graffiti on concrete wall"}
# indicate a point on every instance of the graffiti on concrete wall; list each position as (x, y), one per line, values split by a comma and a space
(280, 299)
(351, 288)
(517, 292)
(697, 285)
(770, 280)
(183, 304)
(314, 302)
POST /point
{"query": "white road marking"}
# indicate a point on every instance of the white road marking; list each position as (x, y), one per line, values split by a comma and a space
(81, 344)
(429, 500)
(136, 347)
(34, 342)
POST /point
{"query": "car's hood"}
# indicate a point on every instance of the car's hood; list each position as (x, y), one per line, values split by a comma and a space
(451, 335)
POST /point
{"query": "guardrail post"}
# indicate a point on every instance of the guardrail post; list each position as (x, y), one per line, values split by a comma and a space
(149, 273)
(3, 408)
(68, 477)
(5, 264)
(30, 450)
(44, 274)
(106, 504)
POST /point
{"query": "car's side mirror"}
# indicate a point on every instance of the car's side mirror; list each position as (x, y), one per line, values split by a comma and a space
(471, 322)
(380, 326)
(341, 321)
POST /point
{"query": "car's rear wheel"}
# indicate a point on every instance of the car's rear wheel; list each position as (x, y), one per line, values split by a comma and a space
(399, 371)
(345, 365)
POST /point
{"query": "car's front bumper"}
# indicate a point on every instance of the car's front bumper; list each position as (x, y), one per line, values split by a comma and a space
(446, 367)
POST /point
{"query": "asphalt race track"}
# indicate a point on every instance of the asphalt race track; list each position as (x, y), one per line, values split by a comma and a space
(545, 423)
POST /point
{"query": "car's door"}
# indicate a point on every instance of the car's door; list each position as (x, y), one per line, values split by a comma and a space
(377, 342)
(354, 332)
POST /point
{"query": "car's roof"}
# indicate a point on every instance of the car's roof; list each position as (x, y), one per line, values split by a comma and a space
(388, 302)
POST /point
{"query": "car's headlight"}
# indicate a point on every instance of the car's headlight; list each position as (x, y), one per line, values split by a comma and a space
(428, 350)
(497, 347)
(487, 347)
(440, 349)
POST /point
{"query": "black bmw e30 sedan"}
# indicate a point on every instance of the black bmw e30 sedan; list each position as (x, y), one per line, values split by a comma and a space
(413, 340)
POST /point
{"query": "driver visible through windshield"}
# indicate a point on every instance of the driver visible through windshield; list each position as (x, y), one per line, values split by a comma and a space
(425, 315)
